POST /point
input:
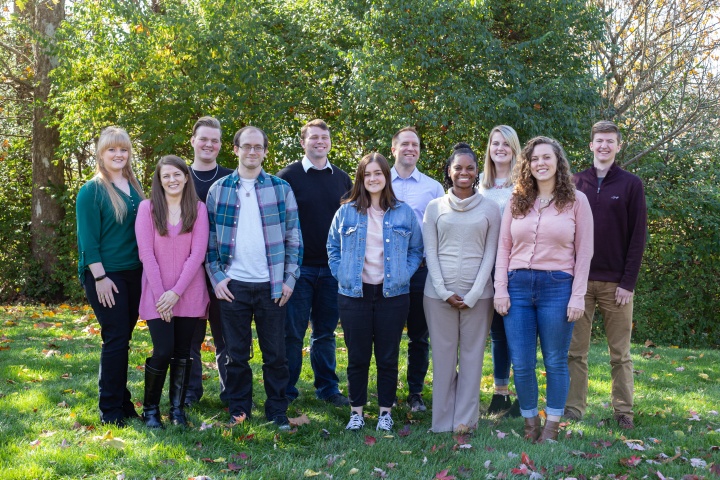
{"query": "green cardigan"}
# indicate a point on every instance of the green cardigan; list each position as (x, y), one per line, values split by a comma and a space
(100, 237)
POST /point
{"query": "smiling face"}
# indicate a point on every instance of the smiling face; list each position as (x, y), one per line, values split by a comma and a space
(316, 143)
(374, 179)
(500, 151)
(605, 147)
(173, 180)
(543, 164)
(206, 144)
(250, 151)
(406, 150)
(115, 158)
(463, 171)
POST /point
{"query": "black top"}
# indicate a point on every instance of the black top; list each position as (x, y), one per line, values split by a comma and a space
(204, 180)
(318, 194)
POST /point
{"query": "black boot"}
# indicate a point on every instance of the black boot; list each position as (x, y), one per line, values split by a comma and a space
(154, 381)
(179, 379)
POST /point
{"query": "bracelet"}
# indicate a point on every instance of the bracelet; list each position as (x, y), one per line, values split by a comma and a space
(101, 277)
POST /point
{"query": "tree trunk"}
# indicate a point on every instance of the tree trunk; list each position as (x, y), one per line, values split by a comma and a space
(47, 172)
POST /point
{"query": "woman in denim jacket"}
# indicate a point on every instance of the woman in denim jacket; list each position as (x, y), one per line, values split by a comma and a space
(374, 247)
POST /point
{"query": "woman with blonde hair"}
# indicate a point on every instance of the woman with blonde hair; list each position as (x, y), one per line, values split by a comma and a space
(109, 267)
(496, 184)
(374, 248)
(541, 272)
(172, 232)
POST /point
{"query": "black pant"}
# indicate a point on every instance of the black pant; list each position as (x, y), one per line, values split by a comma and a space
(170, 340)
(417, 332)
(116, 326)
(252, 300)
(373, 320)
(195, 387)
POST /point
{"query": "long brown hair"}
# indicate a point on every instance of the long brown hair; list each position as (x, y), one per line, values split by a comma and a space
(115, 137)
(360, 196)
(526, 189)
(188, 201)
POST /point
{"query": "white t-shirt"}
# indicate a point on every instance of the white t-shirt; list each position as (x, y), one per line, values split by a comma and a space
(249, 260)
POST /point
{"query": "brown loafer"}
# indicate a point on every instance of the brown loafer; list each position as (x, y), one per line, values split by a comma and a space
(549, 432)
(533, 428)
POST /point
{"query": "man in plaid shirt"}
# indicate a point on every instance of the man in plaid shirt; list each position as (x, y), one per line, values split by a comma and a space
(253, 260)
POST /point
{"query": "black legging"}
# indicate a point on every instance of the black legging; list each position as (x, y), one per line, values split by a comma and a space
(170, 340)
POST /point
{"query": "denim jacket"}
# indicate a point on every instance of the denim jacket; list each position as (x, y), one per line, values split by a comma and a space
(346, 249)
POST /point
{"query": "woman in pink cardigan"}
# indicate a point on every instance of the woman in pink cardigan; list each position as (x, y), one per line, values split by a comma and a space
(172, 233)
(541, 272)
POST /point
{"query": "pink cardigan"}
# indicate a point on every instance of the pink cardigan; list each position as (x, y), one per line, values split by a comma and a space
(173, 262)
(548, 241)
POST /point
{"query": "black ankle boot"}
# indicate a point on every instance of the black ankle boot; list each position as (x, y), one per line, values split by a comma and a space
(179, 379)
(154, 381)
(499, 403)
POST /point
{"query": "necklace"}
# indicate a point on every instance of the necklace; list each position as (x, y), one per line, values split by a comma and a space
(217, 169)
(546, 201)
(247, 190)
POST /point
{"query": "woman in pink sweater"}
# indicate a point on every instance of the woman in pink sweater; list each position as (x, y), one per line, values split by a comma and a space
(541, 272)
(172, 233)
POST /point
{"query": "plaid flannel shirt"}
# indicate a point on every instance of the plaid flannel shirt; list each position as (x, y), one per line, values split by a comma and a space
(280, 224)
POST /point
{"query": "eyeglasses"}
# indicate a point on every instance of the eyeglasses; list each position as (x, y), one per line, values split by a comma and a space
(249, 148)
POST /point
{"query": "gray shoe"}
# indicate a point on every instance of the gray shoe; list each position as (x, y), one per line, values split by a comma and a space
(415, 402)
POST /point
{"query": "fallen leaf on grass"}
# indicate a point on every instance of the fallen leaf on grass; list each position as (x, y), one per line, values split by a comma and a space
(246, 438)
(379, 472)
(461, 439)
(238, 419)
(301, 420)
(64, 444)
(462, 429)
(500, 434)
(635, 445)
(370, 440)
(241, 456)
(443, 475)
(109, 440)
(200, 477)
(406, 452)
(464, 472)
(405, 431)
(234, 467)
(63, 404)
(353, 471)
(331, 459)
(633, 461)
(311, 473)
(698, 463)
(715, 469)
(563, 469)
(649, 344)
(35, 443)
(587, 456)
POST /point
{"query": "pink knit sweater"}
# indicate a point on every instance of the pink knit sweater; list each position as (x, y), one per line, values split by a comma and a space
(173, 262)
(548, 241)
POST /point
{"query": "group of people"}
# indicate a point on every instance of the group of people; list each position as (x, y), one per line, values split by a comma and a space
(522, 251)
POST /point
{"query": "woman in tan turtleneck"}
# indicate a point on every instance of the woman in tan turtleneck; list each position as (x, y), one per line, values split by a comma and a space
(460, 232)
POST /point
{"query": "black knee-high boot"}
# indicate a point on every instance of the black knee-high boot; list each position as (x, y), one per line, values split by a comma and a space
(154, 381)
(179, 379)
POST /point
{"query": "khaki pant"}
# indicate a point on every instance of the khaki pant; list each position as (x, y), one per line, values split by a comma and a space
(617, 321)
(458, 347)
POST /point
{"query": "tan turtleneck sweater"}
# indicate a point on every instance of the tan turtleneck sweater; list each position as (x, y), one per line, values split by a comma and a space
(461, 238)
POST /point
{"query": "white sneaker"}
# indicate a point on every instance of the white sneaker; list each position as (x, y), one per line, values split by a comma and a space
(385, 422)
(356, 422)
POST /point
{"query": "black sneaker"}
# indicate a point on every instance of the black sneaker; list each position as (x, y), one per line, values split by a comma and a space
(338, 399)
(415, 402)
(282, 422)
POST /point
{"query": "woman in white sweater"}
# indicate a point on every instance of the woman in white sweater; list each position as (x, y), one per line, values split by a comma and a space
(460, 231)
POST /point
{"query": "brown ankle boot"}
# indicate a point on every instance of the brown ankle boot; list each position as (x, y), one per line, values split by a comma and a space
(533, 427)
(550, 431)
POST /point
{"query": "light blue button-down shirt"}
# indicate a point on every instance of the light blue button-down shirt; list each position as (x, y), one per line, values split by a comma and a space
(416, 190)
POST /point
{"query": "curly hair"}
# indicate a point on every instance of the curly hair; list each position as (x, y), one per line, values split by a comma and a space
(526, 189)
(461, 148)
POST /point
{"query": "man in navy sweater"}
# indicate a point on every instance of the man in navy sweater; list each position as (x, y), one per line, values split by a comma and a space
(617, 200)
(318, 188)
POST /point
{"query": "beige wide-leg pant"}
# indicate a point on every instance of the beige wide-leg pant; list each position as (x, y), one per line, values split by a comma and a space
(458, 345)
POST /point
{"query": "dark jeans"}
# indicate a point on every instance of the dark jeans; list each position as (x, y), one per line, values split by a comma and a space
(314, 299)
(373, 321)
(499, 348)
(195, 387)
(116, 326)
(417, 332)
(170, 340)
(252, 300)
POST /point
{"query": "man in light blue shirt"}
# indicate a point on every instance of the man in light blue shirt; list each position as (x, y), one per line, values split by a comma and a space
(416, 189)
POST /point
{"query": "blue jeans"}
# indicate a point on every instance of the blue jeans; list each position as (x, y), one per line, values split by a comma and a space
(252, 301)
(500, 351)
(538, 308)
(418, 335)
(315, 300)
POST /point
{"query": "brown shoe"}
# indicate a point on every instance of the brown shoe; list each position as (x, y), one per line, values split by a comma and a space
(549, 432)
(624, 421)
(571, 416)
(533, 427)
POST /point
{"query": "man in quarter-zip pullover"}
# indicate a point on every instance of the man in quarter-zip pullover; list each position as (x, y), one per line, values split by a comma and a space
(617, 200)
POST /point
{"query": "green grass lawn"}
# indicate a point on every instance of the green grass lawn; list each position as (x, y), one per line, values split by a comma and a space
(49, 424)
